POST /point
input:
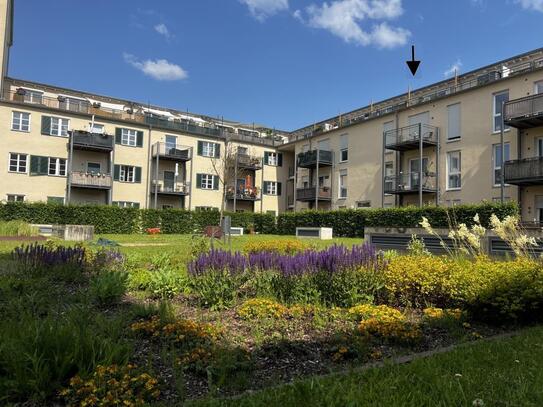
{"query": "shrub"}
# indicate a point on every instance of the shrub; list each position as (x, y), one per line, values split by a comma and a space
(108, 287)
(259, 308)
(275, 246)
(112, 386)
(167, 282)
(139, 279)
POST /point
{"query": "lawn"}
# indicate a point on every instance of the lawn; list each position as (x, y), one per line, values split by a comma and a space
(504, 372)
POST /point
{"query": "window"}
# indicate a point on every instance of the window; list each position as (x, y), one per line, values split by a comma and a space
(539, 146)
(273, 159)
(453, 202)
(73, 104)
(497, 161)
(207, 149)
(33, 96)
(243, 150)
(453, 123)
(96, 128)
(59, 127)
(499, 99)
(389, 173)
(127, 173)
(343, 148)
(55, 200)
(17, 162)
(206, 208)
(343, 184)
(538, 88)
(305, 181)
(454, 176)
(272, 188)
(57, 166)
(94, 168)
(206, 181)
(15, 198)
(170, 142)
(324, 181)
(129, 137)
(20, 121)
(126, 204)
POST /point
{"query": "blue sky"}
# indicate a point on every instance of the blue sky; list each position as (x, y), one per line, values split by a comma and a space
(283, 63)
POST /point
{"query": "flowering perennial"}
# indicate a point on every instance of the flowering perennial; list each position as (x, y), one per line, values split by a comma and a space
(334, 259)
(35, 255)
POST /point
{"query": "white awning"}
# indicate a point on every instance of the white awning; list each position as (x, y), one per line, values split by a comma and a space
(157, 112)
(112, 106)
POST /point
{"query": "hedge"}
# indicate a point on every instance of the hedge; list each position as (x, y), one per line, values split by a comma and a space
(345, 222)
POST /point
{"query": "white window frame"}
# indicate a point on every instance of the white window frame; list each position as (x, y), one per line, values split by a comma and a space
(410, 173)
(15, 198)
(207, 181)
(455, 172)
(536, 85)
(127, 173)
(61, 126)
(208, 149)
(496, 167)
(168, 144)
(391, 167)
(343, 185)
(126, 204)
(271, 188)
(30, 96)
(129, 137)
(272, 159)
(20, 124)
(344, 149)
(59, 165)
(93, 126)
(18, 163)
(494, 114)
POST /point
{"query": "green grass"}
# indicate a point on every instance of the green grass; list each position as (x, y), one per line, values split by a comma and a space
(505, 372)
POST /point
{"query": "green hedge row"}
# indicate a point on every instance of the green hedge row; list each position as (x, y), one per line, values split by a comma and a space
(346, 222)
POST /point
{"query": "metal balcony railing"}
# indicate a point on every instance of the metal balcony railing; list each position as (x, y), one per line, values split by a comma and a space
(92, 141)
(308, 159)
(310, 194)
(172, 152)
(524, 112)
(249, 162)
(90, 180)
(409, 137)
(410, 183)
(243, 194)
(168, 187)
(528, 171)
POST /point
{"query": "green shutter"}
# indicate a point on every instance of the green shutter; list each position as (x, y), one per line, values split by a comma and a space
(217, 150)
(118, 135)
(38, 165)
(198, 180)
(137, 177)
(200, 147)
(139, 139)
(266, 157)
(116, 172)
(46, 125)
(279, 159)
(265, 187)
(278, 188)
(136, 205)
(215, 182)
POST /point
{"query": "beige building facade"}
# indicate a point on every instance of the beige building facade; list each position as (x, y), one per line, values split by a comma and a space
(474, 137)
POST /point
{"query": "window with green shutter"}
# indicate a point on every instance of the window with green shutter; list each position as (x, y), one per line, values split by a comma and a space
(266, 157)
(199, 181)
(279, 185)
(139, 139)
(39, 165)
(116, 172)
(46, 125)
(215, 182)
(138, 175)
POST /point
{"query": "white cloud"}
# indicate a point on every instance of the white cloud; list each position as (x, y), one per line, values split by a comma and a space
(262, 9)
(162, 30)
(159, 69)
(454, 68)
(536, 5)
(343, 17)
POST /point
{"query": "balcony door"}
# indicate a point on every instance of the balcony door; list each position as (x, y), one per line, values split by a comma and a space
(170, 143)
(421, 118)
(414, 171)
(169, 181)
(94, 168)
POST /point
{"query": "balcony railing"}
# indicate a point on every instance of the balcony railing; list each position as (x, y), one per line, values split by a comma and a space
(249, 162)
(172, 152)
(90, 180)
(525, 112)
(168, 187)
(310, 194)
(409, 137)
(308, 159)
(528, 171)
(92, 141)
(410, 183)
(243, 194)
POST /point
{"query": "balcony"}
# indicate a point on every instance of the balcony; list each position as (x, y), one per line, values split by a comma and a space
(171, 152)
(83, 140)
(525, 172)
(168, 187)
(243, 194)
(524, 113)
(309, 159)
(310, 194)
(409, 137)
(405, 184)
(90, 180)
(249, 162)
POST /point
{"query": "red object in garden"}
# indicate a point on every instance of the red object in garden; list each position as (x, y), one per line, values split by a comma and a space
(213, 231)
(153, 231)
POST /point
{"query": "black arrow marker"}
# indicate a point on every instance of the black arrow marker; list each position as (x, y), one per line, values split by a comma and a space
(413, 64)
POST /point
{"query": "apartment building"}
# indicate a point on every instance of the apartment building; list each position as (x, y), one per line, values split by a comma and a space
(473, 137)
